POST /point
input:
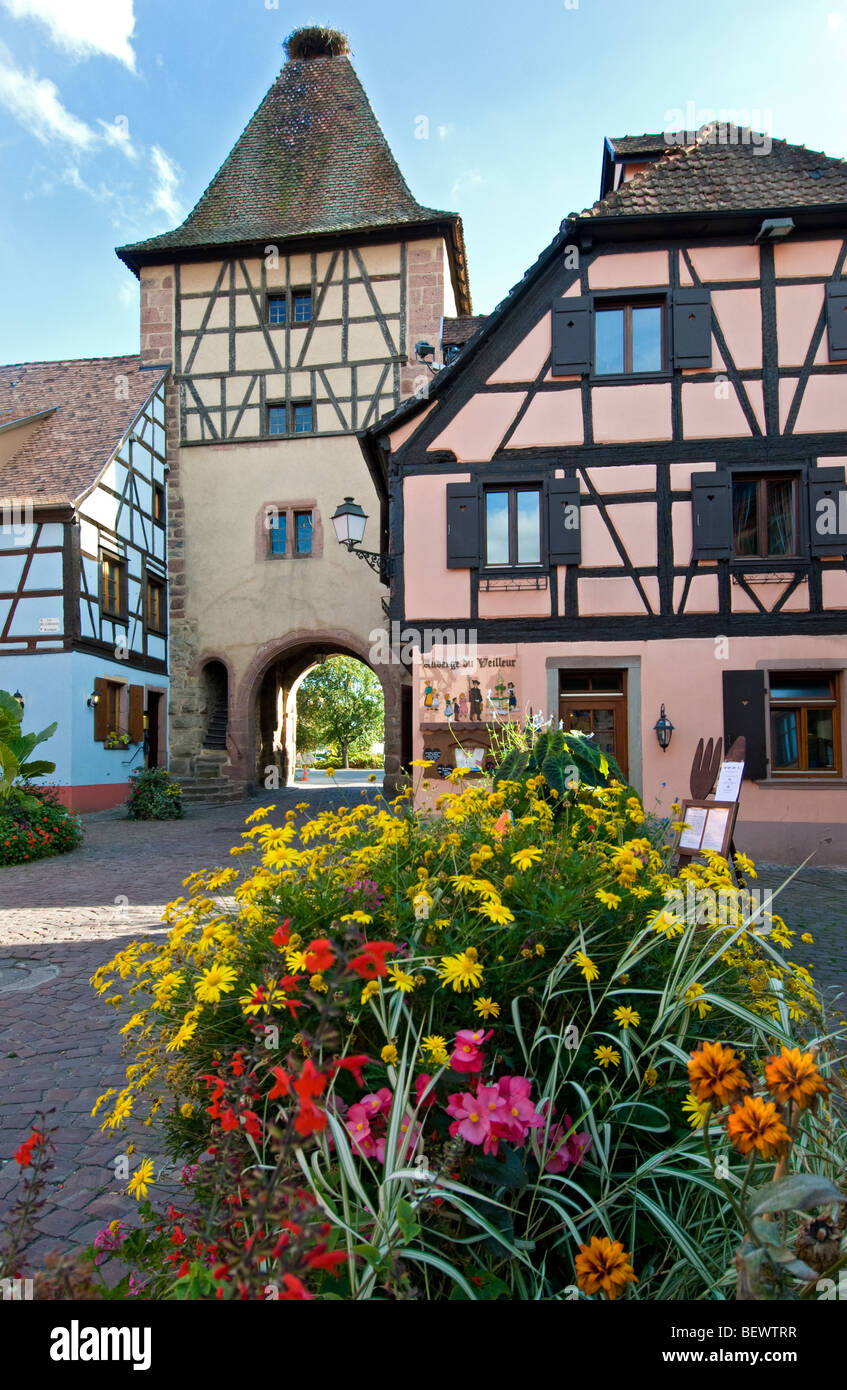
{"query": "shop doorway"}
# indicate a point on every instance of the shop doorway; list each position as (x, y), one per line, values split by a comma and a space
(595, 702)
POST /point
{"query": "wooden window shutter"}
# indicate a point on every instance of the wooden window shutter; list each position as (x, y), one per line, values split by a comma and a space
(836, 319)
(136, 713)
(571, 336)
(827, 511)
(692, 328)
(101, 709)
(744, 716)
(563, 520)
(462, 526)
(711, 506)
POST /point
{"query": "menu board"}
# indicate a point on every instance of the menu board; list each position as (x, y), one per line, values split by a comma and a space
(729, 781)
(709, 826)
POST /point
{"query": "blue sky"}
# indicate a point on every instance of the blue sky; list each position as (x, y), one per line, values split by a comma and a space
(114, 115)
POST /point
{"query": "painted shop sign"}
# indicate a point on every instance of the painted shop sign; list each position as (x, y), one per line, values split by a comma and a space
(473, 691)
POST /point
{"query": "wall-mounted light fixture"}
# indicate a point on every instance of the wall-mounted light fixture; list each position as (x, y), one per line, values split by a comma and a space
(775, 228)
(664, 730)
(93, 699)
(350, 521)
(20, 699)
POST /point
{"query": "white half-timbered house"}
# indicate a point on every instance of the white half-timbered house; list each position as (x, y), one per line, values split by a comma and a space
(83, 566)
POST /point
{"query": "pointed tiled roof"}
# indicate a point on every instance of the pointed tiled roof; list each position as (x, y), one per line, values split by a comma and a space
(85, 419)
(729, 172)
(312, 161)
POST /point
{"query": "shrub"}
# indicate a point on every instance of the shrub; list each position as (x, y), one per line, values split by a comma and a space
(465, 1037)
(35, 827)
(153, 795)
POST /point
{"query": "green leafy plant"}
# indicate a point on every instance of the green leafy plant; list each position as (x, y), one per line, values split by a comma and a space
(154, 795)
(16, 764)
(564, 760)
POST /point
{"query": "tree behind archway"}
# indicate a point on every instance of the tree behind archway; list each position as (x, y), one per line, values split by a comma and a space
(340, 704)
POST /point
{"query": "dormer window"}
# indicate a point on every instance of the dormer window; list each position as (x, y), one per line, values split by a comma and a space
(628, 338)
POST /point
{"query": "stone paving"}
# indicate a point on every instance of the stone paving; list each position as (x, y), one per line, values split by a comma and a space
(59, 1044)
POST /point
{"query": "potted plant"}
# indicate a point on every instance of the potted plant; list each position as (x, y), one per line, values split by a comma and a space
(115, 740)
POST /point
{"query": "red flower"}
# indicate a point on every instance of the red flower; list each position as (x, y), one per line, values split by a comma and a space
(294, 1288)
(183, 1269)
(23, 1155)
(310, 1082)
(252, 1124)
(282, 935)
(310, 1120)
(229, 1119)
(328, 1259)
(237, 1064)
(282, 1085)
(354, 1065)
(370, 963)
(319, 955)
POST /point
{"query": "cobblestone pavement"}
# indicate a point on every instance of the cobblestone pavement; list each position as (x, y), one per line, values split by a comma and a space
(59, 1044)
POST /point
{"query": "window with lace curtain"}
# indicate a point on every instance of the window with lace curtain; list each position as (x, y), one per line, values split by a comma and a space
(764, 516)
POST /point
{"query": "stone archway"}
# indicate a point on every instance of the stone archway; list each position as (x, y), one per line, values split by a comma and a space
(262, 719)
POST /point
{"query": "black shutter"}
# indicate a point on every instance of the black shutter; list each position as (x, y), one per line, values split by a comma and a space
(827, 511)
(571, 336)
(711, 506)
(462, 526)
(744, 716)
(692, 328)
(563, 520)
(836, 319)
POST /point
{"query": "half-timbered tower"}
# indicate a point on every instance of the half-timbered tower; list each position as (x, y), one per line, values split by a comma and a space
(287, 304)
(630, 485)
(83, 577)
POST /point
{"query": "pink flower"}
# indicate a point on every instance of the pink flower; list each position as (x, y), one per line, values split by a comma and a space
(359, 1129)
(471, 1119)
(420, 1086)
(378, 1102)
(565, 1151)
(466, 1055)
(519, 1114)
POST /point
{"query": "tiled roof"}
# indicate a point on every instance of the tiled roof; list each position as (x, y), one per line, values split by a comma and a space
(61, 457)
(458, 331)
(313, 159)
(735, 176)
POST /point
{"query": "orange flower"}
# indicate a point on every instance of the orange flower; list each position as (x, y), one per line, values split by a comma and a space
(793, 1076)
(716, 1074)
(603, 1265)
(755, 1124)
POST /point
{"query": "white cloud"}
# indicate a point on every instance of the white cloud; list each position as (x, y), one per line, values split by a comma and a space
(164, 189)
(102, 194)
(36, 103)
(116, 133)
(469, 178)
(834, 21)
(84, 27)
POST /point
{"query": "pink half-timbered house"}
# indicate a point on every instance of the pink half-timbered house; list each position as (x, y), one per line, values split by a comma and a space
(629, 485)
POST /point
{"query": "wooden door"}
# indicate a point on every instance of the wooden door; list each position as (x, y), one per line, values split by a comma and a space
(594, 702)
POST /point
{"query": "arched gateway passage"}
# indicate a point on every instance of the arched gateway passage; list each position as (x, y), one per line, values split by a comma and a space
(264, 716)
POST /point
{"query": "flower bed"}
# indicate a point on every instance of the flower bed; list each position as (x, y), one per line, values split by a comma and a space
(36, 829)
(466, 1056)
